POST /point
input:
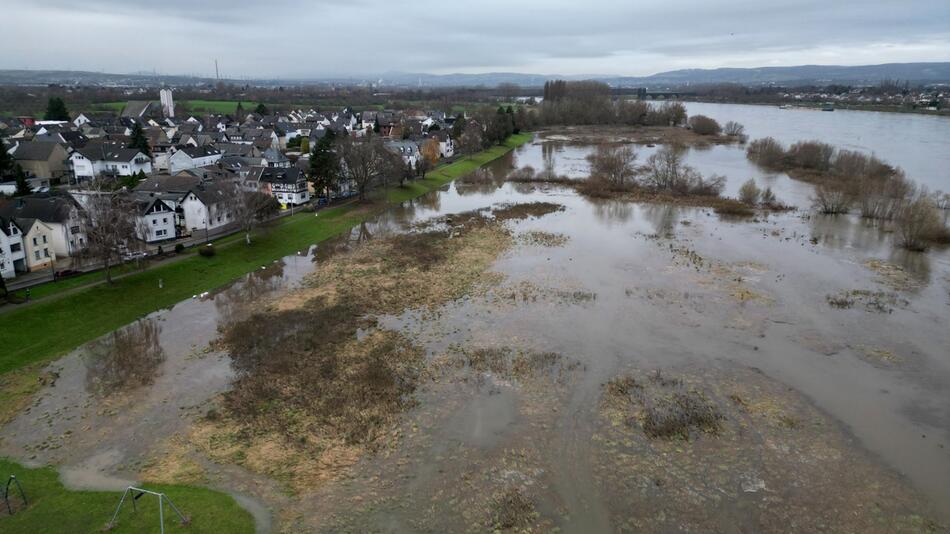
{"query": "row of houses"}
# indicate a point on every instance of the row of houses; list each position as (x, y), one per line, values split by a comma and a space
(191, 167)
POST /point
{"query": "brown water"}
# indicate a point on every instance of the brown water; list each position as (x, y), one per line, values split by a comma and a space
(625, 291)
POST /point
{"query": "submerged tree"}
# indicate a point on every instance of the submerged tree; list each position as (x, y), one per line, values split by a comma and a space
(613, 164)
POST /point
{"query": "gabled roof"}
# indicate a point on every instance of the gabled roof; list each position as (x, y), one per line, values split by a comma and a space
(5, 223)
(199, 151)
(34, 150)
(47, 207)
(276, 175)
(109, 152)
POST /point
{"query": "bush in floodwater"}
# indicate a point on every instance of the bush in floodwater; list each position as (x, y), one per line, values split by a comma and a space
(832, 198)
(672, 417)
(615, 164)
(767, 152)
(733, 129)
(811, 155)
(704, 125)
(918, 222)
(750, 193)
(768, 198)
(207, 251)
(667, 172)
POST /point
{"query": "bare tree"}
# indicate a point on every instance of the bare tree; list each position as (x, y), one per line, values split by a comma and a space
(364, 162)
(667, 172)
(615, 164)
(733, 129)
(471, 140)
(249, 208)
(112, 224)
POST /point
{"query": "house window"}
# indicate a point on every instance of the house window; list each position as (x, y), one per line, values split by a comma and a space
(37, 254)
(46, 252)
(44, 239)
(160, 232)
(35, 242)
(165, 220)
(154, 222)
(14, 247)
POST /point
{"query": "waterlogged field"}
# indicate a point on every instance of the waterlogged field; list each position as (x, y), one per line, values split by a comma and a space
(513, 356)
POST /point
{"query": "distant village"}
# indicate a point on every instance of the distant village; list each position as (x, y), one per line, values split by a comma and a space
(181, 178)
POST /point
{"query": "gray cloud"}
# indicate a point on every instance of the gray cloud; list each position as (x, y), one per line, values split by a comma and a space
(308, 38)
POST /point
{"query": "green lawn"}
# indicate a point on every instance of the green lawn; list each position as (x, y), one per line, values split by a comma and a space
(51, 508)
(49, 328)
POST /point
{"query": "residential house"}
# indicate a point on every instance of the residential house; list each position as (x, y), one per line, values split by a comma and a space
(191, 157)
(275, 158)
(157, 219)
(287, 185)
(407, 150)
(446, 145)
(45, 160)
(108, 159)
(12, 253)
(37, 244)
(58, 211)
(200, 205)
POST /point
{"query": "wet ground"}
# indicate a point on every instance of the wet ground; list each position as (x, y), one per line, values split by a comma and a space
(628, 367)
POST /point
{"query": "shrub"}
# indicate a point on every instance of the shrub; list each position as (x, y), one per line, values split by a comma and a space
(768, 197)
(733, 129)
(750, 193)
(812, 155)
(832, 198)
(704, 125)
(207, 250)
(179, 248)
(918, 222)
(614, 164)
(767, 152)
(667, 172)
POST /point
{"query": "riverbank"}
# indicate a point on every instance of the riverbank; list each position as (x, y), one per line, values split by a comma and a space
(837, 105)
(45, 330)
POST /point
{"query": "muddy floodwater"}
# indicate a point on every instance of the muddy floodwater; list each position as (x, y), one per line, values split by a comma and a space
(616, 367)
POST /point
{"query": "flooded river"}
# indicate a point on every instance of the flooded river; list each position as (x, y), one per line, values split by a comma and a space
(824, 408)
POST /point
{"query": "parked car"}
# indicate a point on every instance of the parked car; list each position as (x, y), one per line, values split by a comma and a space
(132, 256)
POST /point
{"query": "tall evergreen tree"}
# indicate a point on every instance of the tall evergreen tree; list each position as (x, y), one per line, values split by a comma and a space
(239, 112)
(139, 141)
(22, 186)
(324, 163)
(262, 109)
(6, 161)
(56, 110)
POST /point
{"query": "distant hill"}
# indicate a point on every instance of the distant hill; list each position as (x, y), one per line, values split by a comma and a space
(790, 76)
(798, 75)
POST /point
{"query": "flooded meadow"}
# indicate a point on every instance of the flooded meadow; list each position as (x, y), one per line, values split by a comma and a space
(514, 356)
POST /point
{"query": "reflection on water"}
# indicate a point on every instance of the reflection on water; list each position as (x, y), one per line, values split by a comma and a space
(125, 359)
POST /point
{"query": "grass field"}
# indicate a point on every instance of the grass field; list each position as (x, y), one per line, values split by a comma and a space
(49, 328)
(207, 106)
(52, 508)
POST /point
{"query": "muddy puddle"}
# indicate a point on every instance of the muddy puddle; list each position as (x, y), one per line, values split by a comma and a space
(539, 362)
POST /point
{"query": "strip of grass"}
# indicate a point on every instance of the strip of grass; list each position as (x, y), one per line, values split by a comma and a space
(49, 328)
(52, 508)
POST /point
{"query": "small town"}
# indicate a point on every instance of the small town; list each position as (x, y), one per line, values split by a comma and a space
(177, 179)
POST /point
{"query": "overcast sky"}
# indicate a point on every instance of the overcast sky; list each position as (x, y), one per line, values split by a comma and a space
(318, 38)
